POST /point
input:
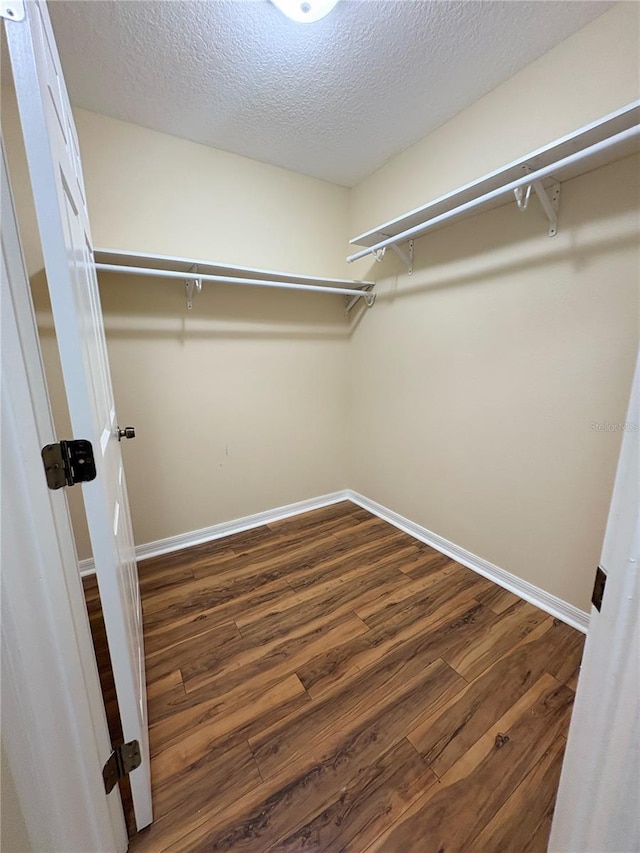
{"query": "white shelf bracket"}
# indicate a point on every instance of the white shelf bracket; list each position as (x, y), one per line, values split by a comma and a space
(191, 286)
(407, 257)
(12, 10)
(550, 201)
(368, 297)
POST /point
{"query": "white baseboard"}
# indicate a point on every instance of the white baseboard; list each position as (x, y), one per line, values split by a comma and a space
(225, 528)
(539, 597)
(535, 595)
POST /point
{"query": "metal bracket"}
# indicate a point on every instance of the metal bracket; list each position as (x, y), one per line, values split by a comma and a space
(68, 463)
(12, 10)
(192, 285)
(407, 257)
(368, 297)
(120, 763)
(549, 199)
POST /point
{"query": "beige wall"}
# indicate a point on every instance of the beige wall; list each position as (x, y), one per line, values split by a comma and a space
(239, 408)
(150, 192)
(475, 381)
(241, 404)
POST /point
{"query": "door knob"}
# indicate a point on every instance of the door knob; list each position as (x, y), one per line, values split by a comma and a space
(127, 432)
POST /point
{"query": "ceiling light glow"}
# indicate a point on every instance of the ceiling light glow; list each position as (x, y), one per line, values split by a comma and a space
(305, 11)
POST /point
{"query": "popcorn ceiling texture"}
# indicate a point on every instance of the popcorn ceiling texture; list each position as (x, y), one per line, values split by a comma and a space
(335, 99)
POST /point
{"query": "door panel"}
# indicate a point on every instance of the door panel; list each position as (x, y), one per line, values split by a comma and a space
(56, 177)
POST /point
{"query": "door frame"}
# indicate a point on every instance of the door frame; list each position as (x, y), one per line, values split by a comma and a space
(54, 727)
(596, 806)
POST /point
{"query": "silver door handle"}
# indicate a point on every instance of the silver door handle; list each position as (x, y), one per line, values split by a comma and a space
(127, 432)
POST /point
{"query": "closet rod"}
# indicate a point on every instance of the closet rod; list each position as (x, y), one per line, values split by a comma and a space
(530, 178)
(227, 279)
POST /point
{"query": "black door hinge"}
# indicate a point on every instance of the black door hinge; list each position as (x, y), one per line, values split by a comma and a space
(120, 763)
(598, 589)
(68, 462)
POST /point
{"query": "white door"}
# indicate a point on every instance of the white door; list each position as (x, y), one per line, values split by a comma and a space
(56, 177)
(54, 729)
(598, 804)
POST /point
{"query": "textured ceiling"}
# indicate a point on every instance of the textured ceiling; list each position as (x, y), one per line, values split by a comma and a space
(334, 99)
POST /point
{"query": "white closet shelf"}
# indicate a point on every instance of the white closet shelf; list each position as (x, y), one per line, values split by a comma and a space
(194, 272)
(612, 137)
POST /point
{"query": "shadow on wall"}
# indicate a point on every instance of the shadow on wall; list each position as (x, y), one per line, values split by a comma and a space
(146, 307)
(425, 280)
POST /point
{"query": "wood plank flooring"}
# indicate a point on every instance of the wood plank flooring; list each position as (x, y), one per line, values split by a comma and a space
(328, 683)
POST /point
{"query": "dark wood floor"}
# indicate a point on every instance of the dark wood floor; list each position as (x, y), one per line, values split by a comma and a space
(329, 683)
